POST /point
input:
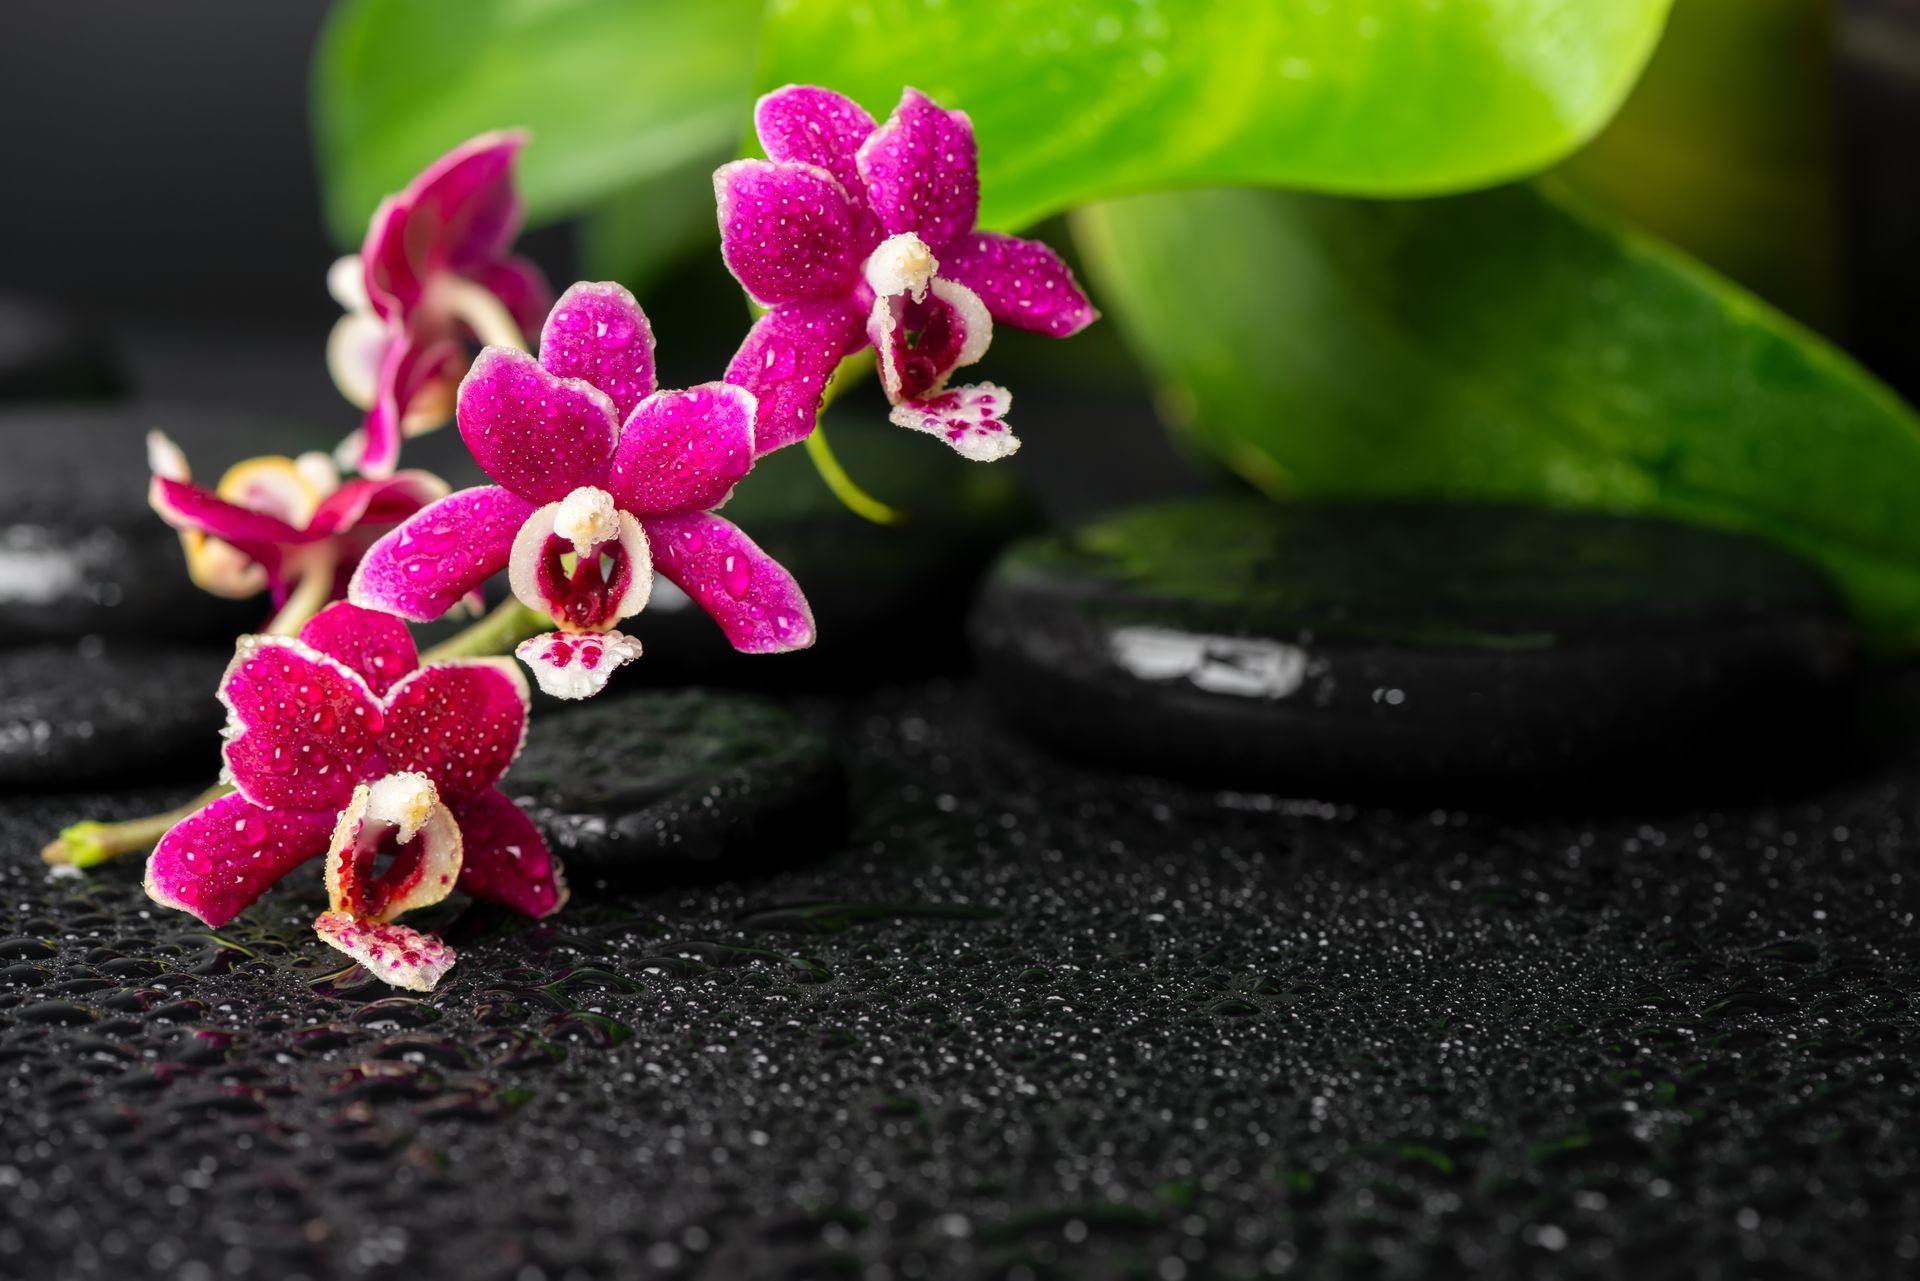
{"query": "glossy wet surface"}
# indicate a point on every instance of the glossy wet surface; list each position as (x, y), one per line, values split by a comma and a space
(1027, 1020)
(1415, 651)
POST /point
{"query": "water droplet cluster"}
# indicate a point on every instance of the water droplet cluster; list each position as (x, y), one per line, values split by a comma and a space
(1020, 1019)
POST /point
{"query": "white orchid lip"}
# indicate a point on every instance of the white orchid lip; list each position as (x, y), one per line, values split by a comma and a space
(573, 665)
(902, 264)
(611, 571)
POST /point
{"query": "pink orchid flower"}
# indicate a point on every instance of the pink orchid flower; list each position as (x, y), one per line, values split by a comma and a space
(853, 234)
(601, 480)
(433, 276)
(319, 727)
(288, 526)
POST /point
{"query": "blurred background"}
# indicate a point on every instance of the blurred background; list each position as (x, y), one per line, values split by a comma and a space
(169, 190)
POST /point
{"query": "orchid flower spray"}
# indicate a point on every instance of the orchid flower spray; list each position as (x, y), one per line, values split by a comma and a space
(341, 744)
(855, 235)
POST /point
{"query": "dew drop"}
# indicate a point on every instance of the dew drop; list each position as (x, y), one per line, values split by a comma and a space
(735, 576)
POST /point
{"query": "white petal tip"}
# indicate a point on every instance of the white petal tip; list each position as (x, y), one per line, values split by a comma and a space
(165, 459)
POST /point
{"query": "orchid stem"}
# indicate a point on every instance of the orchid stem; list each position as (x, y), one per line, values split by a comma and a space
(507, 625)
(89, 844)
(851, 496)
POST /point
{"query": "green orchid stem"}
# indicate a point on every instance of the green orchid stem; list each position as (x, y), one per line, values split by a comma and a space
(851, 496)
(89, 844)
(497, 633)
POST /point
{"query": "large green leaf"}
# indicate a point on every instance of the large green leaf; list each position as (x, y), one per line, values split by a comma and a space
(1078, 99)
(1726, 148)
(1511, 345)
(615, 91)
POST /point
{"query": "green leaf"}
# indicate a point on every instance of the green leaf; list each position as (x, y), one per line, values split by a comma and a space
(615, 92)
(1511, 345)
(1726, 148)
(1078, 99)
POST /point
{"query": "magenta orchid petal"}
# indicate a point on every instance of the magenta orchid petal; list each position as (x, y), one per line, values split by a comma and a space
(397, 955)
(1023, 282)
(971, 419)
(460, 211)
(537, 434)
(468, 202)
(392, 285)
(921, 169)
(302, 727)
(382, 502)
(787, 231)
(598, 334)
(409, 371)
(377, 647)
(918, 345)
(684, 449)
(427, 565)
(503, 858)
(520, 286)
(215, 862)
(186, 506)
(756, 602)
(459, 723)
(815, 126)
(786, 362)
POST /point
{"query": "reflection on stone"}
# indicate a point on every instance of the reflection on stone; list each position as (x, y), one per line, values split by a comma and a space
(1217, 664)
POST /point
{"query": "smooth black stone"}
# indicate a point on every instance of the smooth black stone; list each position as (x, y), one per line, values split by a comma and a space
(81, 552)
(46, 352)
(1024, 1018)
(78, 715)
(1420, 650)
(888, 602)
(668, 783)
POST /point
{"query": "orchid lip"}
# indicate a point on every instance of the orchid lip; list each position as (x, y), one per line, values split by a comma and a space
(582, 561)
(399, 817)
(575, 665)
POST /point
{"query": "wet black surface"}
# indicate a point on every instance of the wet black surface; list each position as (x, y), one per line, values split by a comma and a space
(678, 783)
(1417, 650)
(93, 712)
(1027, 1020)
